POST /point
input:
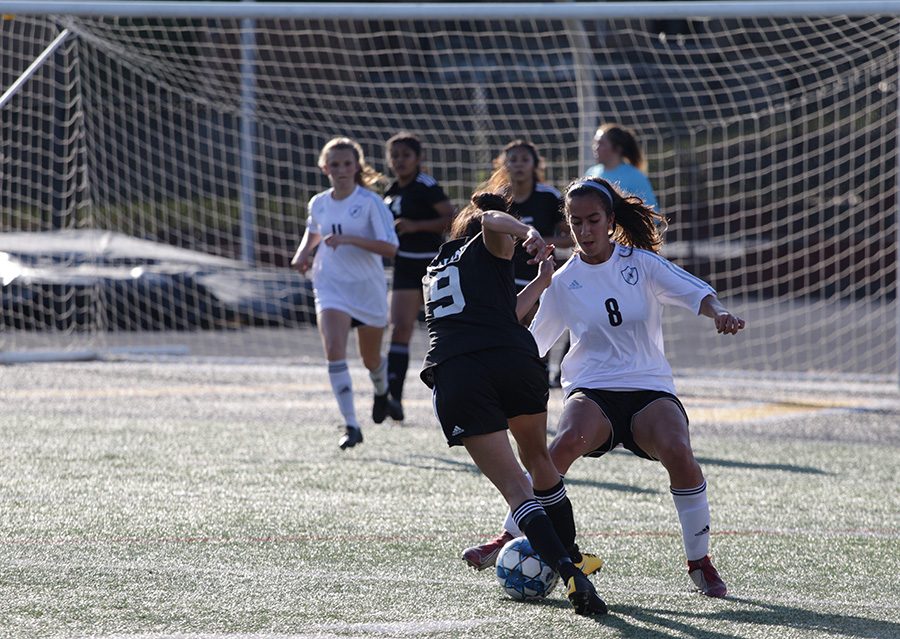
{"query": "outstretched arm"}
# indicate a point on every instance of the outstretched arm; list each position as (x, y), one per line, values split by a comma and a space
(529, 296)
(725, 321)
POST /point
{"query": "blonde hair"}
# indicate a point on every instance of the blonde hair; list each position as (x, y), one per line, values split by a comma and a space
(367, 176)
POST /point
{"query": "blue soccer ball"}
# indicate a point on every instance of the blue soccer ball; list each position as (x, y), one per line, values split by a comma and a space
(522, 573)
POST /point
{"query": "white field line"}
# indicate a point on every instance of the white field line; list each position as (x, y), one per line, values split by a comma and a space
(332, 631)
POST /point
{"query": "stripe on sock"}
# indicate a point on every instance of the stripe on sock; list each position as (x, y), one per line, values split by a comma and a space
(689, 491)
(338, 366)
(529, 507)
(551, 496)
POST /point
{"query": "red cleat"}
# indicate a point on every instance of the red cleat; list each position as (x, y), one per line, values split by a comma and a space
(484, 556)
(706, 578)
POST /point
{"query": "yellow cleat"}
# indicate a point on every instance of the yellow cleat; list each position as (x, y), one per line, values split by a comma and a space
(589, 563)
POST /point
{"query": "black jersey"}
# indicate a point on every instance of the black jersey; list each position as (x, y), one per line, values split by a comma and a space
(470, 303)
(543, 211)
(416, 201)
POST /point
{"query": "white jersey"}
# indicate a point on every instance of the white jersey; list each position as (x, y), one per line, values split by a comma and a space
(613, 312)
(349, 278)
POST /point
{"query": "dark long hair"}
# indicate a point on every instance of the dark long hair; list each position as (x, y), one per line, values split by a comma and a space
(623, 138)
(634, 223)
(499, 180)
(467, 222)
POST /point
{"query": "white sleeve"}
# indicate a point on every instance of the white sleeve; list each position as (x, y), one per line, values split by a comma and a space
(673, 285)
(548, 323)
(382, 221)
(313, 223)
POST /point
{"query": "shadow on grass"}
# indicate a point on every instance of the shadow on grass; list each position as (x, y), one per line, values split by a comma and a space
(790, 468)
(561, 604)
(658, 623)
(457, 466)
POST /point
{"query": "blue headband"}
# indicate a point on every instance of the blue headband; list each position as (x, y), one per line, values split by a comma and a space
(597, 187)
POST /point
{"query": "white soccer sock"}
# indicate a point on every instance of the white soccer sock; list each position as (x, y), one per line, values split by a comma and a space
(379, 377)
(693, 512)
(510, 525)
(342, 387)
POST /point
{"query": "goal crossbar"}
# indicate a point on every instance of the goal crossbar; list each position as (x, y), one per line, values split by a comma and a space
(449, 11)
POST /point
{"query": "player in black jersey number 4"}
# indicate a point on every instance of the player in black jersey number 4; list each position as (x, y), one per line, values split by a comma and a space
(422, 214)
(483, 368)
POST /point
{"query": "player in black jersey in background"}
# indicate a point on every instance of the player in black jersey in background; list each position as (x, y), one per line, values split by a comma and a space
(519, 174)
(422, 214)
(483, 368)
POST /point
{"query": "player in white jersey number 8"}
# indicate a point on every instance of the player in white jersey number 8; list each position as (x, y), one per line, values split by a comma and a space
(617, 382)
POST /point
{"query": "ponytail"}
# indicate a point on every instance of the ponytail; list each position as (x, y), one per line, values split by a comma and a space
(467, 222)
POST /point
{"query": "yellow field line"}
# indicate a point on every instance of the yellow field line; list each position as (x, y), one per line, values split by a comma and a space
(699, 408)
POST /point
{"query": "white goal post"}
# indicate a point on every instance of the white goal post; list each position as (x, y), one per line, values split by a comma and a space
(157, 157)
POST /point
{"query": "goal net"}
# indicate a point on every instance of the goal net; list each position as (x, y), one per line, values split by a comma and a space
(156, 170)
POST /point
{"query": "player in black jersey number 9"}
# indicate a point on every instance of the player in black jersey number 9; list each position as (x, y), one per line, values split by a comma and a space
(486, 377)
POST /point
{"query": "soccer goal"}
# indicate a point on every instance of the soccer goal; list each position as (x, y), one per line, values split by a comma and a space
(157, 157)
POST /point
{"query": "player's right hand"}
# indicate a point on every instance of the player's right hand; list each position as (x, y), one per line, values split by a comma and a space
(546, 267)
(300, 264)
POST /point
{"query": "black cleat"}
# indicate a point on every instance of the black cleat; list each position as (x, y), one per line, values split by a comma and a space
(395, 409)
(351, 438)
(386, 406)
(583, 596)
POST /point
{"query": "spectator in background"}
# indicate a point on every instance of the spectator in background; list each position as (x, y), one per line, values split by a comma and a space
(621, 162)
(422, 214)
(357, 230)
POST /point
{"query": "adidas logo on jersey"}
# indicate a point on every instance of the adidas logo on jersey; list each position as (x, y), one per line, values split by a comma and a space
(457, 431)
(574, 285)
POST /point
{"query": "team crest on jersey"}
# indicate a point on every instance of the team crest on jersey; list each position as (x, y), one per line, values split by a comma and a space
(630, 275)
(355, 211)
(393, 203)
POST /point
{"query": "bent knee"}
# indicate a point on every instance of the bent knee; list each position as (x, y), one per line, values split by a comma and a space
(568, 446)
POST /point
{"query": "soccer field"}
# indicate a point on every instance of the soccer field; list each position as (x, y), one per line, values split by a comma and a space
(207, 499)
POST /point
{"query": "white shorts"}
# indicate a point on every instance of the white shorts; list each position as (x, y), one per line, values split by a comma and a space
(365, 301)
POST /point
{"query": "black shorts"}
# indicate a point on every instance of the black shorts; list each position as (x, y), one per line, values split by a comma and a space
(476, 393)
(408, 273)
(620, 407)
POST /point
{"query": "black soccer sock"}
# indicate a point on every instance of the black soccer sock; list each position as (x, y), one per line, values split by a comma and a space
(398, 363)
(534, 522)
(559, 509)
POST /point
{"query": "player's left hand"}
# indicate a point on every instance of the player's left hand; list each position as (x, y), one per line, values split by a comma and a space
(728, 324)
(402, 226)
(334, 240)
(546, 253)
